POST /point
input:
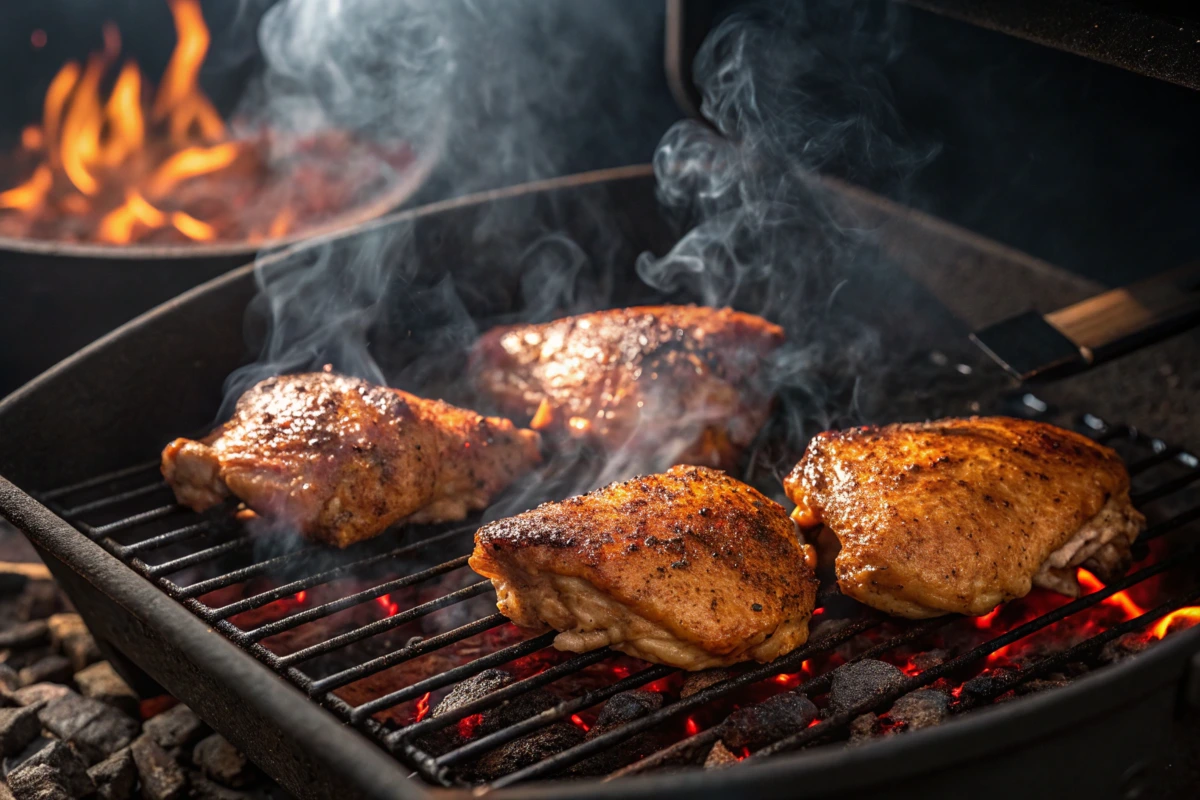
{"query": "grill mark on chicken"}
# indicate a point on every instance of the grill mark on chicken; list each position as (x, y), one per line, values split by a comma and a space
(616, 378)
(689, 568)
(960, 515)
(341, 460)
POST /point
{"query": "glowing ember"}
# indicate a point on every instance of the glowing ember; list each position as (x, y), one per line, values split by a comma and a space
(301, 597)
(146, 165)
(389, 607)
(579, 723)
(1177, 620)
(985, 622)
(423, 707)
(468, 725)
(691, 727)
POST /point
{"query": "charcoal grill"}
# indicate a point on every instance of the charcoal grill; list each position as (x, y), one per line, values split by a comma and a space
(139, 567)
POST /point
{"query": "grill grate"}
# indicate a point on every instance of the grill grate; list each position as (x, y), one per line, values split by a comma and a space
(133, 537)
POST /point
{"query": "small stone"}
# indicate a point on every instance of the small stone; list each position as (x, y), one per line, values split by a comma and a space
(57, 765)
(861, 681)
(527, 750)
(864, 728)
(51, 669)
(24, 635)
(18, 727)
(776, 717)
(178, 726)
(101, 682)
(162, 779)
(719, 756)
(94, 729)
(221, 761)
(115, 776)
(81, 651)
(39, 693)
(64, 626)
(472, 689)
(923, 708)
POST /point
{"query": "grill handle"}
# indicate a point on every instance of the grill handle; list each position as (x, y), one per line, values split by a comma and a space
(1032, 346)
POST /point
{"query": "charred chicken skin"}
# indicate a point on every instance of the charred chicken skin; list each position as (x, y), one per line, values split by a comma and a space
(341, 459)
(670, 384)
(689, 568)
(961, 515)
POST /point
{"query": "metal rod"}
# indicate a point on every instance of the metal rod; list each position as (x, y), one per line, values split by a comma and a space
(407, 653)
(385, 624)
(199, 557)
(358, 598)
(99, 480)
(113, 499)
(138, 519)
(1170, 487)
(164, 539)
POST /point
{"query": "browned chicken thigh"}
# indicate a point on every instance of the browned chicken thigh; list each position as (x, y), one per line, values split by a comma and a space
(689, 568)
(960, 515)
(667, 384)
(341, 459)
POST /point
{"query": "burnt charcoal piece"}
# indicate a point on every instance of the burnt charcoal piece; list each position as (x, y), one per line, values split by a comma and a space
(18, 727)
(24, 635)
(1123, 647)
(52, 769)
(72, 639)
(754, 726)
(860, 681)
(1054, 680)
(9, 680)
(222, 762)
(699, 681)
(929, 659)
(525, 751)
(923, 708)
(472, 689)
(161, 777)
(719, 757)
(40, 693)
(201, 788)
(864, 728)
(39, 600)
(621, 709)
(101, 682)
(52, 669)
(983, 687)
(115, 776)
(178, 726)
(94, 729)
(38, 782)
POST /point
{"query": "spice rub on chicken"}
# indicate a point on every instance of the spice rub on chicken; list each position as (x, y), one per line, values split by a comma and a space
(689, 568)
(662, 382)
(341, 459)
(961, 515)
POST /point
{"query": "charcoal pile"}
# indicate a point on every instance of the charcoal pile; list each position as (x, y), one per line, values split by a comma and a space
(71, 727)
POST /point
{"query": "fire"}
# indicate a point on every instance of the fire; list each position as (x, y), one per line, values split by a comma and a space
(1121, 600)
(1182, 618)
(114, 158)
(579, 723)
(691, 726)
(423, 706)
(985, 622)
(385, 602)
(468, 725)
(301, 597)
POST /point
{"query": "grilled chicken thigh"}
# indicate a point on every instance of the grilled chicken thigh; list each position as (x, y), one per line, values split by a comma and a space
(960, 515)
(341, 459)
(689, 568)
(665, 384)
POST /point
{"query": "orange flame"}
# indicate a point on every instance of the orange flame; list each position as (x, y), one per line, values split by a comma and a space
(1120, 600)
(179, 101)
(31, 137)
(423, 707)
(1181, 618)
(190, 163)
(31, 193)
(127, 129)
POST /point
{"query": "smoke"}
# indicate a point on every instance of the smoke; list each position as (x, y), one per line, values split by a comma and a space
(791, 92)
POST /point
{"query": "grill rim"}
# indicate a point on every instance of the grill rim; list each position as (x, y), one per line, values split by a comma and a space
(835, 771)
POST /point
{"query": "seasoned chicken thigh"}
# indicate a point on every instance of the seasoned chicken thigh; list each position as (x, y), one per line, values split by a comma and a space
(960, 515)
(341, 459)
(689, 568)
(664, 384)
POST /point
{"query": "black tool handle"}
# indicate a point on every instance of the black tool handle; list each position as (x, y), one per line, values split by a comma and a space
(1095, 330)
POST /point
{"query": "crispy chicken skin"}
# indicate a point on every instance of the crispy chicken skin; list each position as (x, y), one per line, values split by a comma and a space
(960, 515)
(689, 568)
(673, 381)
(341, 459)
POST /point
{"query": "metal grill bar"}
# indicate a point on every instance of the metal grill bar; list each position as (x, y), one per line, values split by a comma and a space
(405, 741)
(100, 480)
